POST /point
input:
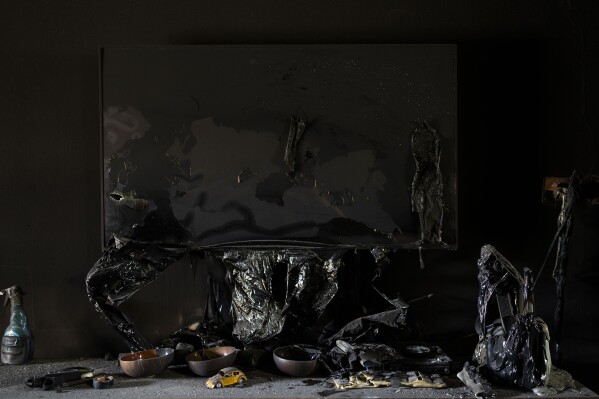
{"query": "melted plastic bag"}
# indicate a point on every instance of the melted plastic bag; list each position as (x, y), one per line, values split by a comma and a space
(123, 269)
(311, 285)
(359, 327)
(514, 344)
(219, 310)
(364, 356)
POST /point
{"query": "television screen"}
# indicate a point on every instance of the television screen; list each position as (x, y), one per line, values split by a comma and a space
(280, 144)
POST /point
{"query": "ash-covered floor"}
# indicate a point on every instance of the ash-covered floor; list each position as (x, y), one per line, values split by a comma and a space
(179, 382)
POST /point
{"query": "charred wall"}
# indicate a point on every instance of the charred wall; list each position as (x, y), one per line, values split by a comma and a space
(527, 88)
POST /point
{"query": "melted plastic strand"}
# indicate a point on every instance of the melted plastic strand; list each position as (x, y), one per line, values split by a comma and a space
(567, 198)
(382, 257)
(420, 258)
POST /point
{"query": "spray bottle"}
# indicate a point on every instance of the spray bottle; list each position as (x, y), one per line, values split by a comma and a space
(17, 342)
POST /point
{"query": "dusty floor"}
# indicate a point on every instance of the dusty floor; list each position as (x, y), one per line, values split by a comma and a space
(178, 382)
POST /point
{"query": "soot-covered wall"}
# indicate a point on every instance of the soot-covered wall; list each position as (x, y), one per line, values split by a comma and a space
(527, 96)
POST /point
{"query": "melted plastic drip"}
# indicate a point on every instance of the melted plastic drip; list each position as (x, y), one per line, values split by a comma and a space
(296, 131)
(427, 186)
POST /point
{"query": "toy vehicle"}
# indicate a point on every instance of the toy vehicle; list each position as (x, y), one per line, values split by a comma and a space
(226, 376)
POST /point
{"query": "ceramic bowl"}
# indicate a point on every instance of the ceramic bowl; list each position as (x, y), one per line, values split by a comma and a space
(146, 363)
(208, 361)
(103, 382)
(293, 361)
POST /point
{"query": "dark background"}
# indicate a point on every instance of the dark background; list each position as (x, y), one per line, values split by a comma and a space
(527, 108)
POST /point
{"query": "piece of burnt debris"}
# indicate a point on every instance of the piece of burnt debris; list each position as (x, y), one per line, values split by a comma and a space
(427, 186)
(559, 380)
(513, 343)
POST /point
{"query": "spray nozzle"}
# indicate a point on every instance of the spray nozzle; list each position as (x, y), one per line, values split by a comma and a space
(6, 296)
(11, 292)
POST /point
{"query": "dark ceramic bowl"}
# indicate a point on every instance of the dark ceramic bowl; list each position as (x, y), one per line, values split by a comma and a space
(293, 361)
(103, 381)
(147, 363)
(208, 361)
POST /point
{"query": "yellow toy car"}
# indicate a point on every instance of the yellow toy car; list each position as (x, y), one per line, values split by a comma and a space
(226, 376)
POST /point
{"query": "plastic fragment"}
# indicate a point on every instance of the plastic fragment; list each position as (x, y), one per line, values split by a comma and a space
(362, 379)
(416, 379)
(470, 376)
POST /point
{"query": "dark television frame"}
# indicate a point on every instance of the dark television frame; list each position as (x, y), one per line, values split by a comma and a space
(292, 242)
